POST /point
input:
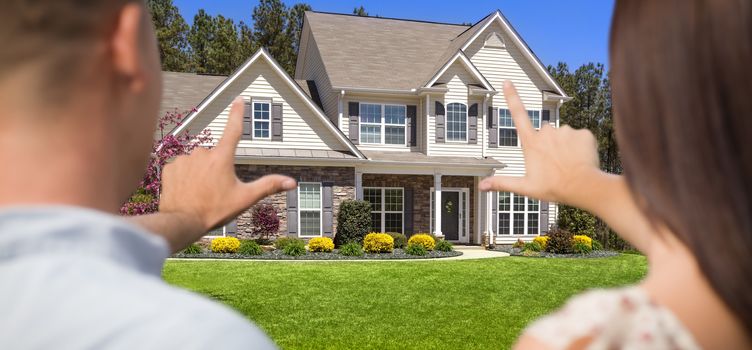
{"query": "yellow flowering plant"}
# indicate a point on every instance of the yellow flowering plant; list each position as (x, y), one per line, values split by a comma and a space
(321, 244)
(378, 243)
(423, 239)
(225, 245)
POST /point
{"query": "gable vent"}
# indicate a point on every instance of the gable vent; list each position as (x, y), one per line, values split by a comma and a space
(494, 40)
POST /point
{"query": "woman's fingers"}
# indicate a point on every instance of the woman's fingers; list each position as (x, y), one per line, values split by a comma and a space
(519, 114)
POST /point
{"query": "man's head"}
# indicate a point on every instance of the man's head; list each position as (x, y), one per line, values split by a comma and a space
(85, 71)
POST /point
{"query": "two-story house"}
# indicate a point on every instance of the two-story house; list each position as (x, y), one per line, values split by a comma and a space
(405, 114)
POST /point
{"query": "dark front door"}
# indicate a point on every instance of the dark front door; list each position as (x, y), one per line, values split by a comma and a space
(450, 215)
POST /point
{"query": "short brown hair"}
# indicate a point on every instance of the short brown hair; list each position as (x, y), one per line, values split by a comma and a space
(681, 83)
(55, 34)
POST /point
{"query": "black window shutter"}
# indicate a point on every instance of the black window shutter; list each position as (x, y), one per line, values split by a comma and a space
(546, 115)
(231, 229)
(277, 122)
(292, 212)
(440, 133)
(544, 217)
(353, 109)
(495, 213)
(408, 214)
(493, 130)
(248, 121)
(412, 124)
(472, 124)
(327, 205)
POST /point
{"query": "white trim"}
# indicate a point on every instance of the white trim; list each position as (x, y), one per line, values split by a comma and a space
(526, 50)
(503, 44)
(267, 121)
(295, 87)
(463, 233)
(446, 124)
(512, 212)
(499, 128)
(383, 124)
(224, 233)
(469, 65)
(321, 210)
(383, 211)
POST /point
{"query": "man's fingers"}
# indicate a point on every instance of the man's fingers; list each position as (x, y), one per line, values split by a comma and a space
(255, 191)
(519, 113)
(234, 128)
(514, 184)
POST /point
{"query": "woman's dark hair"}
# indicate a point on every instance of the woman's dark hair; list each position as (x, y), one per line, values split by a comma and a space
(682, 90)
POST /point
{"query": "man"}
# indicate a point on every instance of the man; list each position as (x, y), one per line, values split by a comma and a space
(80, 87)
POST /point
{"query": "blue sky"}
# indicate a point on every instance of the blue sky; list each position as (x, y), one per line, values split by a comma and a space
(573, 31)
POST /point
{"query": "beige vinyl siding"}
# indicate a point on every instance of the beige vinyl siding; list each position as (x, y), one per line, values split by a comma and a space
(302, 128)
(384, 99)
(313, 69)
(457, 78)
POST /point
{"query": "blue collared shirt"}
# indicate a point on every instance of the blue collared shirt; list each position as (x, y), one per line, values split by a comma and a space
(73, 278)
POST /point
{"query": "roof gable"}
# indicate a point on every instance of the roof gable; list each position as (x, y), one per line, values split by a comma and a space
(462, 58)
(263, 55)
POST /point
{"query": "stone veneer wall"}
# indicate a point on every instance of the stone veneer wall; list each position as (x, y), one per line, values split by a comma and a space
(421, 185)
(343, 189)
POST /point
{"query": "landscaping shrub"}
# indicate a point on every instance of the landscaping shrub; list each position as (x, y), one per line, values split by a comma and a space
(519, 244)
(533, 246)
(351, 249)
(542, 240)
(248, 247)
(295, 248)
(581, 248)
(378, 243)
(282, 242)
(400, 241)
(443, 245)
(225, 245)
(321, 244)
(192, 249)
(576, 220)
(528, 252)
(597, 245)
(353, 222)
(264, 220)
(416, 249)
(426, 240)
(559, 241)
(263, 241)
(583, 239)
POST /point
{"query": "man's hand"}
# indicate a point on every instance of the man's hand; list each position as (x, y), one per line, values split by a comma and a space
(200, 191)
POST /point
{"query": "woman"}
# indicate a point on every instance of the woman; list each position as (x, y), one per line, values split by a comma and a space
(682, 90)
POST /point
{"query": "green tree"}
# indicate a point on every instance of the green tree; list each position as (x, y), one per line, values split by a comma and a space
(246, 47)
(200, 38)
(223, 54)
(360, 11)
(295, 25)
(269, 31)
(172, 35)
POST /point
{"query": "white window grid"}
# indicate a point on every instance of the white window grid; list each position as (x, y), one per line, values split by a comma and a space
(383, 208)
(375, 132)
(520, 213)
(308, 186)
(456, 117)
(262, 120)
(507, 130)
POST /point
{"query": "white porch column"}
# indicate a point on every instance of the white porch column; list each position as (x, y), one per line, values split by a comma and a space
(489, 218)
(358, 185)
(437, 205)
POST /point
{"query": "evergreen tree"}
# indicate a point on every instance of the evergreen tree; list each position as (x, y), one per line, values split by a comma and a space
(224, 54)
(172, 35)
(360, 11)
(200, 38)
(246, 48)
(295, 25)
(269, 27)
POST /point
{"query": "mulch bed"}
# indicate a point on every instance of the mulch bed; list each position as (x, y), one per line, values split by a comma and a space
(594, 254)
(397, 254)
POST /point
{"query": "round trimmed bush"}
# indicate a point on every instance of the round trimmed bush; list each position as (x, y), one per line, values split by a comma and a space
(351, 249)
(559, 241)
(400, 241)
(295, 248)
(444, 246)
(378, 243)
(423, 239)
(321, 244)
(225, 245)
(248, 247)
(353, 222)
(416, 249)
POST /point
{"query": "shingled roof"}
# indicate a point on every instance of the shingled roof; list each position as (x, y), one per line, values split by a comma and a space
(184, 91)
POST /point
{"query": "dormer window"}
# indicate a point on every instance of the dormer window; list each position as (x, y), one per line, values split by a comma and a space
(456, 122)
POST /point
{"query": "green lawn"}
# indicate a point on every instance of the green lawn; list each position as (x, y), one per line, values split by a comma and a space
(466, 304)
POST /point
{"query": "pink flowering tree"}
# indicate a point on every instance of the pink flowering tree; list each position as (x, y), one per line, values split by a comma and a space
(146, 198)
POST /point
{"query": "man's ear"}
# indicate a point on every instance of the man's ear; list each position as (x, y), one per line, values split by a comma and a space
(125, 45)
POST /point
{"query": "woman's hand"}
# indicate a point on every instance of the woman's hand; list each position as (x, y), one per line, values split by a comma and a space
(558, 162)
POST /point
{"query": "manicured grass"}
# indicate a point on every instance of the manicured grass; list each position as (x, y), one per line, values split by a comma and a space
(466, 304)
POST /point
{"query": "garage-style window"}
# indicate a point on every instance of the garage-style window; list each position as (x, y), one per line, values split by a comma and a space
(518, 215)
(456, 122)
(387, 208)
(382, 123)
(508, 132)
(309, 197)
(261, 120)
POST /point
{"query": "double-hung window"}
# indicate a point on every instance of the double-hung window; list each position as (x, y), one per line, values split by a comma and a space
(261, 120)
(387, 208)
(507, 131)
(309, 204)
(518, 215)
(382, 123)
(456, 122)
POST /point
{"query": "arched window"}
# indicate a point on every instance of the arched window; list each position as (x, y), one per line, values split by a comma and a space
(456, 122)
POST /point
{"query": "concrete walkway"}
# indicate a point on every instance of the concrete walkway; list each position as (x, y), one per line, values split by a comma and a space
(468, 253)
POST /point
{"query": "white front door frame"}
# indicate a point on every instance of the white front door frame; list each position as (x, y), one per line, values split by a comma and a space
(464, 236)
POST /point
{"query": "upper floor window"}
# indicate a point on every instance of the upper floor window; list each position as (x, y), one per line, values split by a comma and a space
(382, 123)
(518, 215)
(261, 120)
(456, 122)
(507, 131)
